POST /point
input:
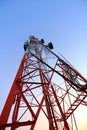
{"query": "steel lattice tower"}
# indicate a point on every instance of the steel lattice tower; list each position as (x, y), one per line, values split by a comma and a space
(44, 94)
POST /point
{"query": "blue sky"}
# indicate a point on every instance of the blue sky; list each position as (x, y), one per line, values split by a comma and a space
(63, 22)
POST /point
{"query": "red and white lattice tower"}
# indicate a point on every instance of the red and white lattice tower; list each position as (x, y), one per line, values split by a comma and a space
(44, 94)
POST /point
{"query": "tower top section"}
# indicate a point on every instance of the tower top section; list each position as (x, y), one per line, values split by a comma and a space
(34, 42)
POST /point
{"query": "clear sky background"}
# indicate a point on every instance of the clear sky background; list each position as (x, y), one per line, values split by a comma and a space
(63, 22)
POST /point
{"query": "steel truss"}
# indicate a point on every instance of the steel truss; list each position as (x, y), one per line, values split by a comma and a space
(45, 93)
